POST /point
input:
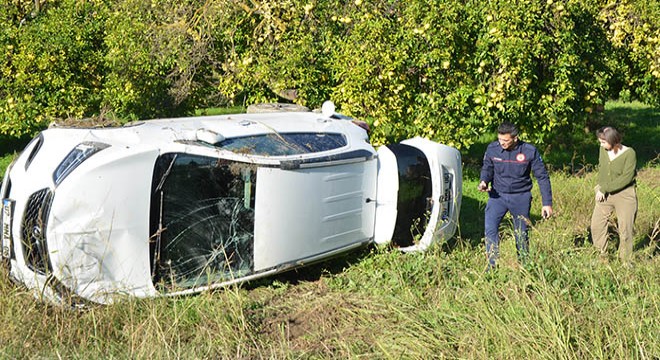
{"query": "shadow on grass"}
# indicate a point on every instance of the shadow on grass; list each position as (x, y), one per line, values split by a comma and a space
(471, 225)
(9, 145)
(641, 130)
(651, 241)
(313, 272)
(578, 150)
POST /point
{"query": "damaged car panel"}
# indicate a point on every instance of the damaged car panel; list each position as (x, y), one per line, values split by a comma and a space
(178, 206)
(419, 193)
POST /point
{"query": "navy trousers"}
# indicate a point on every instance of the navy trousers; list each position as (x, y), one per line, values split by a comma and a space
(498, 205)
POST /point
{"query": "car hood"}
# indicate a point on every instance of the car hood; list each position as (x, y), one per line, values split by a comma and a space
(99, 239)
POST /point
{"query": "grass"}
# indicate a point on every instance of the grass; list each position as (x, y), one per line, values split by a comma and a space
(8, 150)
(381, 304)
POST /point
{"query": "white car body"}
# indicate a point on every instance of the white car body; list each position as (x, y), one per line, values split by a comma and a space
(160, 208)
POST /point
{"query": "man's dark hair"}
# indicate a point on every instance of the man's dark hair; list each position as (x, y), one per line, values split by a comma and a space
(507, 128)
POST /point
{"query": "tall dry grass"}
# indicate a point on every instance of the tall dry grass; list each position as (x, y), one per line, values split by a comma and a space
(380, 304)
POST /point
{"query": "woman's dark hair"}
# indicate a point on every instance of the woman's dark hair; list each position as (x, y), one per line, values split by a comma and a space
(611, 135)
(507, 128)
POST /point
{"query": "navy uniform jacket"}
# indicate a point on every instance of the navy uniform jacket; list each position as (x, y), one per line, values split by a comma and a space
(508, 170)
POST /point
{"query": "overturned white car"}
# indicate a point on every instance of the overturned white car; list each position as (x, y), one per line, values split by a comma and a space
(177, 206)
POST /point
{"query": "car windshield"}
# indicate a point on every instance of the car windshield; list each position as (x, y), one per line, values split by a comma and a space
(281, 144)
(202, 220)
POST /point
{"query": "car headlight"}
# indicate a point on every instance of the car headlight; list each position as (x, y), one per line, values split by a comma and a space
(80, 153)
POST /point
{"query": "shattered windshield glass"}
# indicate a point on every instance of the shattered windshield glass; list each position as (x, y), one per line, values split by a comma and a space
(280, 144)
(202, 220)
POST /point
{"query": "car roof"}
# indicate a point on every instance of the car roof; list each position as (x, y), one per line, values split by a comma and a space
(159, 131)
(249, 124)
(164, 134)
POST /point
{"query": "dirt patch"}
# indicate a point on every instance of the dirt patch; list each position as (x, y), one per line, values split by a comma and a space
(311, 318)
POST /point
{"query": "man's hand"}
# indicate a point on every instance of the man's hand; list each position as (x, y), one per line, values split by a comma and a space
(600, 197)
(546, 211)
(483, 186)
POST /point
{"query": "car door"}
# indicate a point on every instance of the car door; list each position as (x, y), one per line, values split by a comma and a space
(418, 194)
(310, 213)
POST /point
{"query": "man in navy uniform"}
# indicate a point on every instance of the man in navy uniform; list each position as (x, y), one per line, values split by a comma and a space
(507, 165)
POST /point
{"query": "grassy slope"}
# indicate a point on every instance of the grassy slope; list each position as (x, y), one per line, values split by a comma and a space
(378, 303)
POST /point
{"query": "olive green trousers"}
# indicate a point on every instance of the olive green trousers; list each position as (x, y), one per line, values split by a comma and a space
(624, 203)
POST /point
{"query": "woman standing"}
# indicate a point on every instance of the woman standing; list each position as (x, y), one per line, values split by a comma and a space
(615, 192)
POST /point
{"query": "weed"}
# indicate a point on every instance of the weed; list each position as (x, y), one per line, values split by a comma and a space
(379, 303)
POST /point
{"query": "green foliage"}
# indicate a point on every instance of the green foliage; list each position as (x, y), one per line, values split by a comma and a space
(51, 65)
(157, 58)
(73, 59)
(633, 30)
(448, 70)
(5, 160)
(272, 50)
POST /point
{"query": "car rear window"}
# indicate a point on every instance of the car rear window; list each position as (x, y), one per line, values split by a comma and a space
(280, 144)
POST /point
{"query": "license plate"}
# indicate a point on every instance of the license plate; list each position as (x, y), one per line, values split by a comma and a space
(7, 212)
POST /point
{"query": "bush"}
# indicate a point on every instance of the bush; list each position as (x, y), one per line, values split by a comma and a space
(633, 29)
(52, 65)
(445, 70)
(157, 59)
(81, 59)
(448, 70)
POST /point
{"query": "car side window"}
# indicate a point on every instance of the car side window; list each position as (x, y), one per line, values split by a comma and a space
(202, 220)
